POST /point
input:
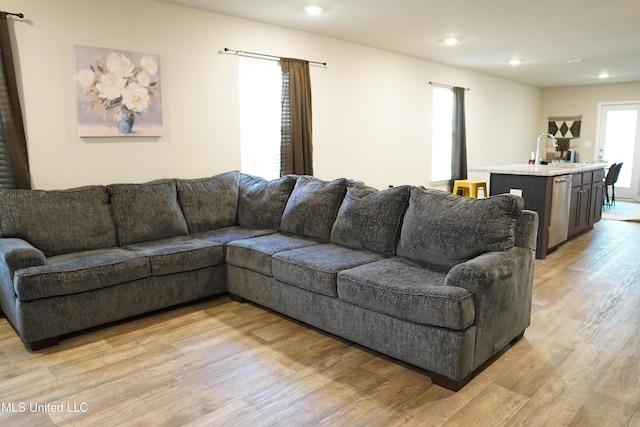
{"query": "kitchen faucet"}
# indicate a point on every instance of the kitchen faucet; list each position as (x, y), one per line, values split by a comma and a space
(548, 135)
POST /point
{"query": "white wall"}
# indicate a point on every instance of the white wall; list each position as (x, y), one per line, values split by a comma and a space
(583, 100)
(372, 108)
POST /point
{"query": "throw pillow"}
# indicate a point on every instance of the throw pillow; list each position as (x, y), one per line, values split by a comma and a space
(370, 219)
(144, 212)
(261, 202)
(313, 206)
(209, 203)
(58, 221)
(445, 229)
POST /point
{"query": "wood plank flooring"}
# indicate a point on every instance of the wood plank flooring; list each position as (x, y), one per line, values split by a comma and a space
(221, 363)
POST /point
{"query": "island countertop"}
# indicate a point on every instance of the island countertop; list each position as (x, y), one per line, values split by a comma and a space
(565, 208)
(553, 169)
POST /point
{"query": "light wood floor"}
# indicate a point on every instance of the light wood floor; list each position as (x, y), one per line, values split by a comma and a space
(221, 363)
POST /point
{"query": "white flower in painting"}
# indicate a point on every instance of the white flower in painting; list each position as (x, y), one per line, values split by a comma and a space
(119, 64)
(119, 85)
(149, 64)
(143, 78)
(136, 97)
(86, 77)
(111, 86)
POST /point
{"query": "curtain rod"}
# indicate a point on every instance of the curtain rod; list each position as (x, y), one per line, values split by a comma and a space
(446, 86)
(19, 15)
(262, 55)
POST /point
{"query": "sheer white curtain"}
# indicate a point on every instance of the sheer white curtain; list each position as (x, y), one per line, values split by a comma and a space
(260, 116)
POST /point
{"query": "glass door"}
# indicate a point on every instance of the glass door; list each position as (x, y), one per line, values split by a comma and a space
(619, 142)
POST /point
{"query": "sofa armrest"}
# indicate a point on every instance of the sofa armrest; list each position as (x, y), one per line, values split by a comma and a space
(502, 285)
(527, 230)
(16, 254)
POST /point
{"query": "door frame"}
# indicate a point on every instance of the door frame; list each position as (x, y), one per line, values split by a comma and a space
(629, 193)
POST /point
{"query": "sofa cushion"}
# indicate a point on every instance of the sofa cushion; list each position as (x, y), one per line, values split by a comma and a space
(446, 229)
(256, 253)
(315, 268)
(313, 206)
(370, 219)
(80, 272)
(261, 202)
(407, 290)
(209, 203)
(178, 254)
(149, 211)
(58, 221)
(229, 234)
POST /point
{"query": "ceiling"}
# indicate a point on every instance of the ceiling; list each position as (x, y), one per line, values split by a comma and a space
(596, 36)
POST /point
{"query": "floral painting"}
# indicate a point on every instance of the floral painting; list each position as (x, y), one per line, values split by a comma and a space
(118, 92)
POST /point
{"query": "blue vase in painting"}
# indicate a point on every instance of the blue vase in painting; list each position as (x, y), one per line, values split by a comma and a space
(124, 119)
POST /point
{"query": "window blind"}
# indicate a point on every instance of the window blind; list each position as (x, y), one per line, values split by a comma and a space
(6, 174)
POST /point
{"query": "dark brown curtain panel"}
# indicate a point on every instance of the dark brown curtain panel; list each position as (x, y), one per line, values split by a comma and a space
(14, 160)
(296, 147)
(459, 143)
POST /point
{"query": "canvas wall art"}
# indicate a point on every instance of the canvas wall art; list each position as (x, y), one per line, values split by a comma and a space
(119, 92)
(565, 127)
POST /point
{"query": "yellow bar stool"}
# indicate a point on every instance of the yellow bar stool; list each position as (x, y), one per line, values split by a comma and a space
(469, 187)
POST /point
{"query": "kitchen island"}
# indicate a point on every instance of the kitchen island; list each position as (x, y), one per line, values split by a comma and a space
(567, 196)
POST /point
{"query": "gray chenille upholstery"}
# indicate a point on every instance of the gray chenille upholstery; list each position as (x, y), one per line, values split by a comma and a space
(316, 268)
(144, 212)
(261, 202)
(407, 290)
(81, 217)
(436, 280)
(257, 254)
(435, 221)
(370, 219)
(312, 207)
(209, 203)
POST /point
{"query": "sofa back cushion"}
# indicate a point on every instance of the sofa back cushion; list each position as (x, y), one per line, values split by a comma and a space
(261, 202)
(370, 219)
(144, 212)
(58, 221)
(209, 203)
(445, 229)
(313, 206)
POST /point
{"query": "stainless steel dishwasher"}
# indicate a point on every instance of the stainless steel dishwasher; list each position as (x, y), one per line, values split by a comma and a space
(560, 206)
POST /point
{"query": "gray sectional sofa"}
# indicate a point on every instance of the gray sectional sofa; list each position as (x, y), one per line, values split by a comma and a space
(436, 280)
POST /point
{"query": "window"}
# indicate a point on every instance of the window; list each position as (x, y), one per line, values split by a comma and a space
(260, 117)
(442, 134)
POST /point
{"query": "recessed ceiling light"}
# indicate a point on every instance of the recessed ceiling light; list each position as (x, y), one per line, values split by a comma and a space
(451, 41)
(515, 62)
(603, 75)
(313, 9)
